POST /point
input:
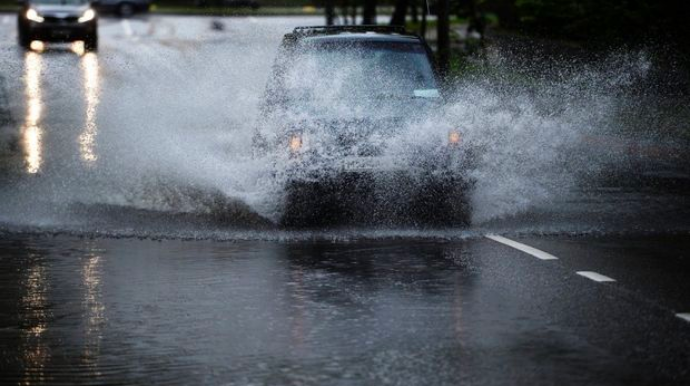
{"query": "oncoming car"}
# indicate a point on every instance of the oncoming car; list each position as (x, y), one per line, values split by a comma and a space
(350, 115)
(58, 21)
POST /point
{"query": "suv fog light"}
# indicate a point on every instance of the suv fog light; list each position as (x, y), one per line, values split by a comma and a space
(295, 143)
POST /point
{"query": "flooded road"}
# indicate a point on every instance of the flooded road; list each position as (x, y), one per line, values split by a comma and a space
(138, 241)
(380, 312)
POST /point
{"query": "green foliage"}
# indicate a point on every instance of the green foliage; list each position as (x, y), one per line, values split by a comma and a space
(603, 20)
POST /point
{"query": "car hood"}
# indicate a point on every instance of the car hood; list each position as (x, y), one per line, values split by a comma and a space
(61, 11)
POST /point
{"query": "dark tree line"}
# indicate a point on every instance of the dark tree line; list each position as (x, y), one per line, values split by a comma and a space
(661, 24)
(595, 22)
(414, 10)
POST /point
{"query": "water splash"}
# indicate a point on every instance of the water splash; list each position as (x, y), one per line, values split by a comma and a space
(175, 128)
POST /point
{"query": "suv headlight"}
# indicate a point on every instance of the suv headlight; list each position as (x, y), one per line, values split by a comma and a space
(454, 137)
(88, 15)
(32, 15)
(295, 143)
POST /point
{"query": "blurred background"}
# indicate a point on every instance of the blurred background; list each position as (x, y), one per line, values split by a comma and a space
(463, 30)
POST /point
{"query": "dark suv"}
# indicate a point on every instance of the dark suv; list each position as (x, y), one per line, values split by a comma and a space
(352, 119)
(58, 20)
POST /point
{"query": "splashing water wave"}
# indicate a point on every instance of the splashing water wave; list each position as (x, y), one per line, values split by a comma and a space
(174, 148)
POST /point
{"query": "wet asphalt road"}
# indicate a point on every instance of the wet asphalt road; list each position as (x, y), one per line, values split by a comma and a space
(248, 306)
(404, 312)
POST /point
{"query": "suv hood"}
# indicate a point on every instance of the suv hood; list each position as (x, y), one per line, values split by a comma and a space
(386, 109)
(358, 130)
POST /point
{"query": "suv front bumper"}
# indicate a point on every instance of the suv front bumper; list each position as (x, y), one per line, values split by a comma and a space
(375, 190)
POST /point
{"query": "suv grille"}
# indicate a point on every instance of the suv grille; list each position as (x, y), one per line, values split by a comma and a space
(354, 137)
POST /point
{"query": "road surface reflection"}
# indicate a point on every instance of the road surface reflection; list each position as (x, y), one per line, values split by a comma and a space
(32, 132)
(93, 309)
(166, 309)
(87, 139)
(33, 129)
(404, 312)
(35, 314)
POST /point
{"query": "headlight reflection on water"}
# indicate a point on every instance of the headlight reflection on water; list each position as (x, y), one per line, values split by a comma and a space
(34, 305)
(32, 132)
(93, 308)
(87, 139)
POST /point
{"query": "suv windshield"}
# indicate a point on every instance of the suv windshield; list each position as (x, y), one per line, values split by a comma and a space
(59, 2)
(339, 68)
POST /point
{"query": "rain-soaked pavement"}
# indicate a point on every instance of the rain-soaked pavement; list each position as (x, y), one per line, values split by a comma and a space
(134, 249)
(404, 312)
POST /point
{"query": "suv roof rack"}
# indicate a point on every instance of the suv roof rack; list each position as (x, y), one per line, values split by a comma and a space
(332, 29)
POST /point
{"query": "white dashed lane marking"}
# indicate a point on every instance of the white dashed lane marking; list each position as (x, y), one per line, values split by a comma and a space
(522, 247)
(591, 275)
(599, 278)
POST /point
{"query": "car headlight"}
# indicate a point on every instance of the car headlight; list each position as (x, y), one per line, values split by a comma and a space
(454, 137)
(88, 15)
(295, 143)
(32, 15)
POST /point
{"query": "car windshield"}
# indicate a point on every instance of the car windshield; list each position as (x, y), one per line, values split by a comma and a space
(59, 2)
(363, 69)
